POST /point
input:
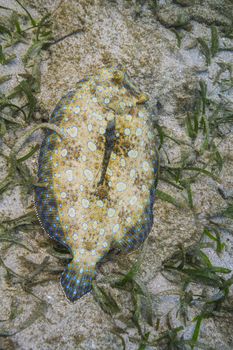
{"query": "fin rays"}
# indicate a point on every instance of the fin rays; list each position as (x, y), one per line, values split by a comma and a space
(76, 281)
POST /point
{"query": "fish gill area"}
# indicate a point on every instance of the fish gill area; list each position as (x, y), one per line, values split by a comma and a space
(176, 291)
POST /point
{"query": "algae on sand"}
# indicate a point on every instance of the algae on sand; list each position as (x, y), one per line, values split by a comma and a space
(180, 53)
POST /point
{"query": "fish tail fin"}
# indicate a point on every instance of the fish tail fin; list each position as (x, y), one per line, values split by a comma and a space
(76, 280)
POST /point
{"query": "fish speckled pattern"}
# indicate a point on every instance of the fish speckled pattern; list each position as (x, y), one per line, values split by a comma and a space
(99, 179)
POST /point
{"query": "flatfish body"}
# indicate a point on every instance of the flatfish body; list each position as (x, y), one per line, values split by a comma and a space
(100, 178)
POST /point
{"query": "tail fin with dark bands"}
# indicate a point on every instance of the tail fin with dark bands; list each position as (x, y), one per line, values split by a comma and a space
(76, 281)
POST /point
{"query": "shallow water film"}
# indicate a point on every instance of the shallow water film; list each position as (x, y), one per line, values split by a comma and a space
(116, 180)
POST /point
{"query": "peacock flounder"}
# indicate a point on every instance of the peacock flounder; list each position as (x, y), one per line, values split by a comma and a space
(99, 179)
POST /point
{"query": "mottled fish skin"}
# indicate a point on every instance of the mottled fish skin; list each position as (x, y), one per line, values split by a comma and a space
(100, 178)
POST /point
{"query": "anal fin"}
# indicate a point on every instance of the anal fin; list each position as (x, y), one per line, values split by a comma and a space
(137, 234)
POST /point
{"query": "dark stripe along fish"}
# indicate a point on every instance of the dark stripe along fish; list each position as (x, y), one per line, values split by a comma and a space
(100, 178)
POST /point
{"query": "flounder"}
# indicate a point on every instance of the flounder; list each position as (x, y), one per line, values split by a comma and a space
(100, 178)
